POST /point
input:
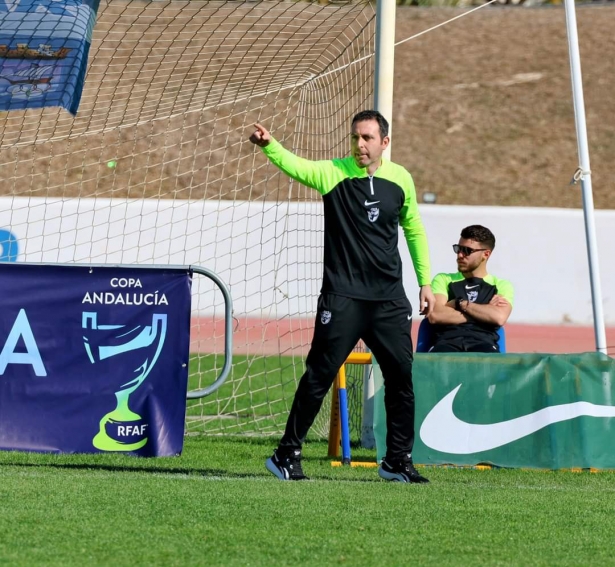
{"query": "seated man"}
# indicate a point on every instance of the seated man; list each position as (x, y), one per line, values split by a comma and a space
(471, 305)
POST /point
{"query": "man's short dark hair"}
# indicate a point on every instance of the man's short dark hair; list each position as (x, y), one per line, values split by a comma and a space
(373, 115)
(480, 234)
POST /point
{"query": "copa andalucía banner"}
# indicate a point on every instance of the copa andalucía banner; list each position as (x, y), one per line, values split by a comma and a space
(93, 359)
(548, 411)
(44, 46)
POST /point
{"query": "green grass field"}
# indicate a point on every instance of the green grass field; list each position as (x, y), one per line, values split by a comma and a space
(257, 395)
(217, 505)
(256, 389)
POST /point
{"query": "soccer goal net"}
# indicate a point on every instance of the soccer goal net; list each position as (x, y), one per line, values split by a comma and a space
(156, 168)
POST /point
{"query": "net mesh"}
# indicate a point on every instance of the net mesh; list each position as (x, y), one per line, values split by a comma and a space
(157, 168)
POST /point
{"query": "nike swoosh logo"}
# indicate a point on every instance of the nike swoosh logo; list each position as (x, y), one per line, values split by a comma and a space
(472, 286)
(443, 431)
(370, 203)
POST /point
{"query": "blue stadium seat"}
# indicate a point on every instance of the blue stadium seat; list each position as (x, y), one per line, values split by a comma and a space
(425, 338)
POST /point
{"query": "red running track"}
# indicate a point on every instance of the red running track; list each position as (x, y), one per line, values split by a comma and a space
(292, 336)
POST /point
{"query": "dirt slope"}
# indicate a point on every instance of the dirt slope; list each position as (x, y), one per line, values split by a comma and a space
(483, 106)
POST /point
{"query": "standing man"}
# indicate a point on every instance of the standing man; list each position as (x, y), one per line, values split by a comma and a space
(471, 305)
(365, 199)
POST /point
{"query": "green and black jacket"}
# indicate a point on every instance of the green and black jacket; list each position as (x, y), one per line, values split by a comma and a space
(362, 216)
(475, 290)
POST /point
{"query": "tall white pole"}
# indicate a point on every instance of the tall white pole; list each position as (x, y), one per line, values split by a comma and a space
(385, 61)
(383, 102)
(584, 174)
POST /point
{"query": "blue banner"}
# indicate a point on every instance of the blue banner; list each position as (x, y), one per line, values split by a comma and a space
(93, 359)
(44, 46)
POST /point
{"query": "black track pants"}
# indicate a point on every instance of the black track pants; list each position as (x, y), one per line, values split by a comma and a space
(384, 326)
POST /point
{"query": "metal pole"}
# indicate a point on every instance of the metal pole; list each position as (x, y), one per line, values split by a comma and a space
(368, 440)
(584, 174)
(385, 59)
(228, 335)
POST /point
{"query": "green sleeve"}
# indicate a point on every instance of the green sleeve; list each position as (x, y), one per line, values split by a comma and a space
(320, 175)
(414, 231)
(439, 285)
(505, 289)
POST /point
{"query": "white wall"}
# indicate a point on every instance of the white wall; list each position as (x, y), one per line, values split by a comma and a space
(270, 253)
(541, 251)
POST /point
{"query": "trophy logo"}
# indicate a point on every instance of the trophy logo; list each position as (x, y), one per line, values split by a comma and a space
(122, 429)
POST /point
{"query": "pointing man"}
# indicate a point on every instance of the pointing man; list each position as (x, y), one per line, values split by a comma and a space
(366, 198)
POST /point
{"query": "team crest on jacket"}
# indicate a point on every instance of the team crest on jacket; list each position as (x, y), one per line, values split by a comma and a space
(325, 317)
(472, 296)
(373, 213)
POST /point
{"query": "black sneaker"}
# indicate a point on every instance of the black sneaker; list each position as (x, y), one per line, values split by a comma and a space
(401, 470)
(286, 466)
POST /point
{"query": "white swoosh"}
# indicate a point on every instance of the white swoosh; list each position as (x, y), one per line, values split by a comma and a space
(472, 286)
(368, 203)
(443, 431)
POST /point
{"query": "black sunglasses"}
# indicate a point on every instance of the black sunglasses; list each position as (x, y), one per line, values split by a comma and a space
(466, 250)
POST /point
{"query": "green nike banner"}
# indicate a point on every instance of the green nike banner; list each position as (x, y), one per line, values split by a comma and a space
(510, 410)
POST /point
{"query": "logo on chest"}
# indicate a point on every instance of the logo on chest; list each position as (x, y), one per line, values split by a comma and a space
(472, 296)
(373, 214)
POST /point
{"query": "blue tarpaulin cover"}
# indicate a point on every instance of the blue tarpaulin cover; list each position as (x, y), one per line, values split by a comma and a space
(44, 46)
